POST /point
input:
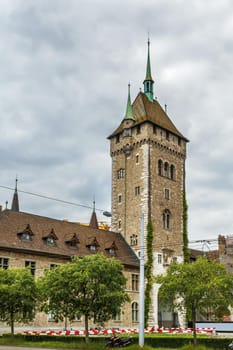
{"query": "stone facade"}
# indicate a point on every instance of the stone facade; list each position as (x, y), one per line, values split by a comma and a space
(148, 177)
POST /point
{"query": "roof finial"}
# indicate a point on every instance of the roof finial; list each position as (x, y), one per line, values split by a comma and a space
(129, 110)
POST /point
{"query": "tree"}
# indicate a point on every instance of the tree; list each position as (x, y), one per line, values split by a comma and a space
(93, 286)
(17, 296)
(196, 287)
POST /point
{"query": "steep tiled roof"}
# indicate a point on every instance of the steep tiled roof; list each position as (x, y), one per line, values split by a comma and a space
(147, 111)
(12, 224)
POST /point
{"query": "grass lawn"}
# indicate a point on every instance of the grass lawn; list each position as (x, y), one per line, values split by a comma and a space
(92, 345)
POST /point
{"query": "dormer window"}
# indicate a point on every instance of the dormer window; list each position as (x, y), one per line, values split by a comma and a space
(127, 132)
(51, 238)
(26, 234)
(93, 245)
(72, 241)
(112, 249)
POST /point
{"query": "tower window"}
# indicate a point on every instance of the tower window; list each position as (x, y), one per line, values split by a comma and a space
(135, 311)
(127, 132)
(166, 193)
(172, 172)
(166, 168)
(137, 158)
(166, 219)
(137, 190)
(119, 198)
(160, 167)
(119, 224)
(117, 138)
(154, 129)
(133, 240)
(159, 258)
(121, 173)
(167, 135)
(138, 129)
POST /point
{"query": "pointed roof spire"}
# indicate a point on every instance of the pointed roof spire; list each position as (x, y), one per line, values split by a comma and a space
(129, 110)
(94, 222)
(148, 67)
(148, 82)
(15, 200)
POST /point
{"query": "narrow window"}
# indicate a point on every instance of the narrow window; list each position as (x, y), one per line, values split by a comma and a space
(154, 129)
(119, 224)
(135, 282)
(137, 190)
(31, 265)
(160, 167)
(166, 168)
(133, 240)
(138, 129)
(4, 263)
(166, 193)
(159, 258)
(117, 317)
(137, 158)
(166, 219)
(120, 173)
(167, 135)
(117, 138)
(135, 311)
(119, 198)
(172, 172)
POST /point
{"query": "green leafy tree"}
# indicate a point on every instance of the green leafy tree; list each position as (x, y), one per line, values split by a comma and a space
(17, 296)
(93, 286)
(197, 286)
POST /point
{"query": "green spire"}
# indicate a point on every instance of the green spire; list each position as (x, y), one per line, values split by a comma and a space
(148, 68)
(148, 82)
(129, 110)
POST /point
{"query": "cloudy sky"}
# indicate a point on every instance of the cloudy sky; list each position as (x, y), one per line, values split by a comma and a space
(64, 70)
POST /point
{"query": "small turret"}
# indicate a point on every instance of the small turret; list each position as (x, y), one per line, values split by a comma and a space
(15, 201)
(93, 222)
(129, 111)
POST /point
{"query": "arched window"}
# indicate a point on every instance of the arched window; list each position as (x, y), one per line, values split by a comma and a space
(172, 172)
(160, 167)
(166, 219)
(135, 311)
(166, 168)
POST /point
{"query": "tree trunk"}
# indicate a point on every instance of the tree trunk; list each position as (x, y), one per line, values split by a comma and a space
(194, 325)
(12, 323)
(86, 328)
(65, 323)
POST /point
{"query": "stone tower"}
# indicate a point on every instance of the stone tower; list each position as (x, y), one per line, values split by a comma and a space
(148, 177)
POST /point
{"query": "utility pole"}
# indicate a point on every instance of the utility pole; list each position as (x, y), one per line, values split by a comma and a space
(141, 287)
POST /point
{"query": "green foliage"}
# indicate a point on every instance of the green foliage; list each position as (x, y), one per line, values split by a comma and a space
(197, 286)
(93, 286)
(17, 296)
(185, 230)
(148, 270)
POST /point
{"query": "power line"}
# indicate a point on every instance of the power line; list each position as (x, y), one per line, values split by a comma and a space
(52, 198)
